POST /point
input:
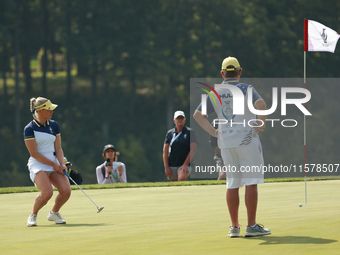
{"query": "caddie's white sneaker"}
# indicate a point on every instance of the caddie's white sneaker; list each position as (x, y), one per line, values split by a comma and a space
(32, 220)
(56, 217)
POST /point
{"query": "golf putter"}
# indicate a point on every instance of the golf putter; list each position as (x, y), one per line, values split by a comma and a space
(99, 209)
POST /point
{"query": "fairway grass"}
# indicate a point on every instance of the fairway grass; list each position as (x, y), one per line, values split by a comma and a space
(175, 220)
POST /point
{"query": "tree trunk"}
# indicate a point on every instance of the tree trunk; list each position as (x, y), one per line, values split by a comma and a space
(104, 77)
(172, 82)
(26, 48)
(83, 66)
(94, 76)
(53, 52)
(170, 103)
(4, 78)
(132, 95)
(5, 65)
(45, 45)
(17, 67)
(26, 68)
(68, 53)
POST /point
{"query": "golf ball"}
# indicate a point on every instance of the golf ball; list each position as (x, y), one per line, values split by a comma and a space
(300, 204)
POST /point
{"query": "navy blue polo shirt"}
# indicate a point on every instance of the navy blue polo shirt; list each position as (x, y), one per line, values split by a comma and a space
(180, 148)
(44, 135)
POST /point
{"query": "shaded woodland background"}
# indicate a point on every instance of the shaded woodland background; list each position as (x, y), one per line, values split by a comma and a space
(119, 69)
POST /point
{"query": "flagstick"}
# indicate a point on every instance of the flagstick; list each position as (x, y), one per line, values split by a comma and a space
(304, 129)
(313, 44)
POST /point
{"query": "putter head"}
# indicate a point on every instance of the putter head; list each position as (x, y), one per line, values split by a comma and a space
(100, 209)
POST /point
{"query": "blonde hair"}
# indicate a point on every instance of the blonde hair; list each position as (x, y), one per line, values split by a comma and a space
(34, 102)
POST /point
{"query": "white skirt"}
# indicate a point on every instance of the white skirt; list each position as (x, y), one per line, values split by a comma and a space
(34, 166)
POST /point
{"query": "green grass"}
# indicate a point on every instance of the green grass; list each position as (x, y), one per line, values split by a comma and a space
(161, 184)
(170, 219)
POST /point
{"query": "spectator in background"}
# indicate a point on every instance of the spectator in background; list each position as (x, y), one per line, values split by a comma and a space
(111, 171)
(179, 148)
(74, 174)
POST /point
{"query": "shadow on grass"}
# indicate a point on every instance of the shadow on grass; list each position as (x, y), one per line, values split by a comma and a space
(268, 240)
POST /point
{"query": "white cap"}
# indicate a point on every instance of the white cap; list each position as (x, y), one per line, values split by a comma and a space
(179, 113)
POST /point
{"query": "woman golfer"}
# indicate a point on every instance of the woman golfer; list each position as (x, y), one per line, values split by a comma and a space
(46, 162)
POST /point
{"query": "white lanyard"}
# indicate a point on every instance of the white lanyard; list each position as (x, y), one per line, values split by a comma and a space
(175, 137)
(172, 141)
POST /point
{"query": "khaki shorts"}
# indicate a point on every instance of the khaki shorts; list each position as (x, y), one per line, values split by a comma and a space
(175, 169)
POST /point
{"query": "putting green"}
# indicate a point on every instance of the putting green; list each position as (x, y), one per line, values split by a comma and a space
(175, 220)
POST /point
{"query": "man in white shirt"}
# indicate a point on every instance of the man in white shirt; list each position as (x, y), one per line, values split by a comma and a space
(238, 139)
